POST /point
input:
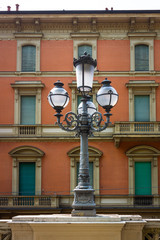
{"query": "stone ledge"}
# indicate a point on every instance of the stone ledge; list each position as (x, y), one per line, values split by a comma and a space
(67, 218)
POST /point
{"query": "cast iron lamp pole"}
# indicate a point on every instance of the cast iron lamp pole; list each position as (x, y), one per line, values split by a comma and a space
(87, 121)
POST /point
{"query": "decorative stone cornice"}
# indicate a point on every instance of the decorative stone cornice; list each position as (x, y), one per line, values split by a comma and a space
(84, 35)
(142, 34)
(28, 35)
(27, 84)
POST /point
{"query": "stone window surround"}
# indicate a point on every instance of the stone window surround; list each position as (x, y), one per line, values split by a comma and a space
(142, 88)
(143, 153)
(26, 154)
(75, 93)
(24, 39)
(84, 39)
(145, 39)
(27, 88)
(94, 156)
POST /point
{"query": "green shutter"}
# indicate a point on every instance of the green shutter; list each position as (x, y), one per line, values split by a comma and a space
(142, 108)
(143, 178)
(90, 172)
(26, 179)
(84, 48)
(28, 58)
(141, 58)
(28, 107)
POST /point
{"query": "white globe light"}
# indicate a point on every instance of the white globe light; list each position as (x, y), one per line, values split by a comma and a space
(58, 97)
(90, 108)
(107, 96)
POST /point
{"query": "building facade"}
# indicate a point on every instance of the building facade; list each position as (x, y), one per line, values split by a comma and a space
(39, 162)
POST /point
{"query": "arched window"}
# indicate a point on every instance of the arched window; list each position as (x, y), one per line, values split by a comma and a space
(26, 170)
(84, 48)
(94, 158)
(143, 173)
(28, 58)
(141, 57)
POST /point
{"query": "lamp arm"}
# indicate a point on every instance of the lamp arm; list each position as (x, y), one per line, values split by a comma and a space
(70, 122)
(96, 121)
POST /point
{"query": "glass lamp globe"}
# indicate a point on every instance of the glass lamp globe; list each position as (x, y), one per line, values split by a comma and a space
(58, 97)
(85, 72)
(90, 107)
(107, 96)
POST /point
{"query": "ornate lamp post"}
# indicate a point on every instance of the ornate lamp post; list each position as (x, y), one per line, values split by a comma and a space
(87, 121)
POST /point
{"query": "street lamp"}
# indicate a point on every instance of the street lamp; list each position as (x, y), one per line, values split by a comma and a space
(87, 121)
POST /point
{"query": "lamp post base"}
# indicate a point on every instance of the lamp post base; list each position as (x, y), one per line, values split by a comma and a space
(83, 204)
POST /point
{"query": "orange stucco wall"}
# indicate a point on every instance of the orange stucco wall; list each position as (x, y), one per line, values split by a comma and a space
(8, 55)
(113, 55)
(56, 55)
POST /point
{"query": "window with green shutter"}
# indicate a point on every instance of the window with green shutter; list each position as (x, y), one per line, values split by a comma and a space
(28, 58)
(142, 58)
(90, 172)
(143, 178)
(142, 108)
(28, 108)
(84, 48)
(26, 179)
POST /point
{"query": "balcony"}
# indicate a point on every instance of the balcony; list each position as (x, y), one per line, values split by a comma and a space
(28, 201)
(136, 131)
(43, 131)
(65, 201)
(120, 131)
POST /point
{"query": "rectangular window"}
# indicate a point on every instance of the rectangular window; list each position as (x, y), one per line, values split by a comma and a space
(142, 108)
(28, 107)
(27, 178)
(143, 178)
(84, 48)
(90, 172)
(141, 58)
(28, 59)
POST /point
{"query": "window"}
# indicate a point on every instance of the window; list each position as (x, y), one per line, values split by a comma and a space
(27, 104)
(143, 180)
(28, 58)
(141, 58)
(84, 42)
(143, 172)
(26, 170)
(142, 100)
(84, 48)
(27, 178)
(76, 98)
(94, 159)
(142, 51)
(142, 108)
(28, 52)
(28, 107)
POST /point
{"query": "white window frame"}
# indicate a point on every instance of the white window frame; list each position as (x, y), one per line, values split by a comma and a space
(75, 93)
(145, 39)
(22, 88)
(94, 156)
(80, 39)
(143, 154)
(24, 39)
(26, 154)
(142, 88)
